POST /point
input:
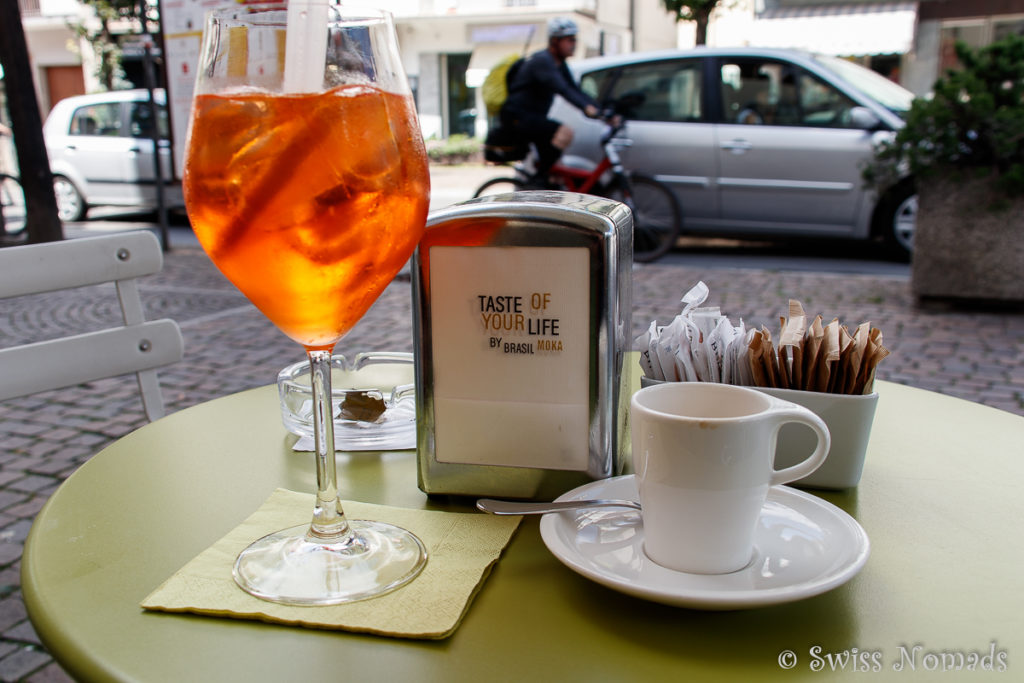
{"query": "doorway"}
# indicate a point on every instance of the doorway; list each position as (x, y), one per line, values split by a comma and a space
(62, 82)
(461, 98)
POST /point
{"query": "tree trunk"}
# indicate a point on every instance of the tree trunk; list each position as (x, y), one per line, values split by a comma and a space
(703, 18)
(108, 65)
(26, 123)
(702, 30)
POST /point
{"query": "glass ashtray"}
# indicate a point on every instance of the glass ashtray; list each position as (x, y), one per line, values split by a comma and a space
(373, 400)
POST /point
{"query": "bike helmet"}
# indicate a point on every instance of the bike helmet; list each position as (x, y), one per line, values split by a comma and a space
(560, 27)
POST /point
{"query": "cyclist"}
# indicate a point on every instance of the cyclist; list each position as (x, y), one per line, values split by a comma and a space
(532, 89)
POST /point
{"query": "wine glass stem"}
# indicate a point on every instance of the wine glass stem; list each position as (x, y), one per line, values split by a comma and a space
(329, 521)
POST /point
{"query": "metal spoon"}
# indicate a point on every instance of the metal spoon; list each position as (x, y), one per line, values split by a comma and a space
(511, 507)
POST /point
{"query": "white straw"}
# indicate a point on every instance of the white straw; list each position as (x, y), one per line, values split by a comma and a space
(305, 46)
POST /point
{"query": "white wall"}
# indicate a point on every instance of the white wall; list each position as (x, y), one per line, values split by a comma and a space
(430, 94)
(655, 28)
(920, 68)
(730, 26)
(422, 42)
(48, 43)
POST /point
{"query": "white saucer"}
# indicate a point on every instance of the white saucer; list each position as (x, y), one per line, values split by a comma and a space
(803, 546)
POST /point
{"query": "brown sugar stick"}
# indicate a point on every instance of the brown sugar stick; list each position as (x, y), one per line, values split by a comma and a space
(857, 354)
(828, 356)
(791, 344)
(771, 362)
(756, 359)
(811, 347)
(875, 353)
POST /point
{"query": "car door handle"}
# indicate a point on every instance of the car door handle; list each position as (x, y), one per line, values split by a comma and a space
(736, 146)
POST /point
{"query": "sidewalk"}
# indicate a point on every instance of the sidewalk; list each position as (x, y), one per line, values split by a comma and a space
(229, 347)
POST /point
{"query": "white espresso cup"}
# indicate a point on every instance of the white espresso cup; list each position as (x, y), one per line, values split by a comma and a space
(704, 456)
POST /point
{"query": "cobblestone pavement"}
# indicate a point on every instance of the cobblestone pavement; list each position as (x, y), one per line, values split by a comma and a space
(229, 347)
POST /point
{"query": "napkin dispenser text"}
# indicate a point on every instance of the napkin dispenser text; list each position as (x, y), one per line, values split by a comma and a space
(521, 308)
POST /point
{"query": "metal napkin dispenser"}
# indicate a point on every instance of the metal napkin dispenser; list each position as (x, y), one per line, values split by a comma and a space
(522, 318)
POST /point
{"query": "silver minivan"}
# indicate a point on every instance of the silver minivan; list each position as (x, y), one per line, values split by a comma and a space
(101, 152)
(755, 142)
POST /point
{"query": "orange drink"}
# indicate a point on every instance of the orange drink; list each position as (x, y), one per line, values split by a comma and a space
(306, 183)
(309, 204)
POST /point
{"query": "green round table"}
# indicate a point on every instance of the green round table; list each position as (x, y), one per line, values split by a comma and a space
(939, 495)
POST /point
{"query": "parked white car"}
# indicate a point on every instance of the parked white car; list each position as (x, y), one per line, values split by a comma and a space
(101, 152)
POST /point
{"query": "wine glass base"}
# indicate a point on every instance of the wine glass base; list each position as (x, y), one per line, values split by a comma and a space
(290, 568)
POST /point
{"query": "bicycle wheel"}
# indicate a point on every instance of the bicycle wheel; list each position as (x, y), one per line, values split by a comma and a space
(499, 186)
(12, 203)
(657, 218)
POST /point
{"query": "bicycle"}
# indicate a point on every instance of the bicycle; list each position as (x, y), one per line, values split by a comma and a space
(657, 217)
(13, 215)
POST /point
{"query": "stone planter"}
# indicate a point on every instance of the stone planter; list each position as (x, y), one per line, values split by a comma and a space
(968, 246)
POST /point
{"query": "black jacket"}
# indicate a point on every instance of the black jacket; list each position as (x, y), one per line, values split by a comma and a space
(533, 87)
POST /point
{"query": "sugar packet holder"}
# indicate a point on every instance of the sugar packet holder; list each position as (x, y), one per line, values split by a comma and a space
(521, 306)
(702, 345)
(807, 356)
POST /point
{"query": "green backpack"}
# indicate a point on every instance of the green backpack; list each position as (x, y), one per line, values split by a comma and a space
(495, 87)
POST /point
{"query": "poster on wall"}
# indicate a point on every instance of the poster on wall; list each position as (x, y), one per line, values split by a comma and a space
(183, 22)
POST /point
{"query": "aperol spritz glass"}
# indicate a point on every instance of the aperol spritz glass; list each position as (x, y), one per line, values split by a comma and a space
(306, 182)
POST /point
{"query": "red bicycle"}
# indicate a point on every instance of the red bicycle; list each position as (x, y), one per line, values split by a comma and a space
(657, 218)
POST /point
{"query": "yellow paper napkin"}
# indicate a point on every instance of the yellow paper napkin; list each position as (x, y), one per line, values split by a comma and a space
(461, 549)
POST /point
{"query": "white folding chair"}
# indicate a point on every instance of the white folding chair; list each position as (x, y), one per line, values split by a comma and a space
(138, 347)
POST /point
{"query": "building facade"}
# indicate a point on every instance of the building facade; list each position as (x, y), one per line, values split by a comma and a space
(908, 41)
(449, 46)
(941, 23)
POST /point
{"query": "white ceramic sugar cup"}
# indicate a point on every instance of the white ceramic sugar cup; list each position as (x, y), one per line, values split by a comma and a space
(704, 457)
(849, 419)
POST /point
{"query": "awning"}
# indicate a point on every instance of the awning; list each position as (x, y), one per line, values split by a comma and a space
(841, 30)
(485, 56)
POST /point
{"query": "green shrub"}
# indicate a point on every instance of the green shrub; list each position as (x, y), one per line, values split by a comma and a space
(973, 124)
(456, 149)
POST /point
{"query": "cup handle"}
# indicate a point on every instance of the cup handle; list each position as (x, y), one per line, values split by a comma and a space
(795, 413)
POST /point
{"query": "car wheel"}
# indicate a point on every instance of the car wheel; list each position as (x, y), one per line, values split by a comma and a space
(70, 203)
(898, 220)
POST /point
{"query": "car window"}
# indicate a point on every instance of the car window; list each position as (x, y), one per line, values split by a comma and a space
(893, 97)
(822, 104)
(670, 90)
(97, 119)
(140, 121)
(594, 83)
(769, 93)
